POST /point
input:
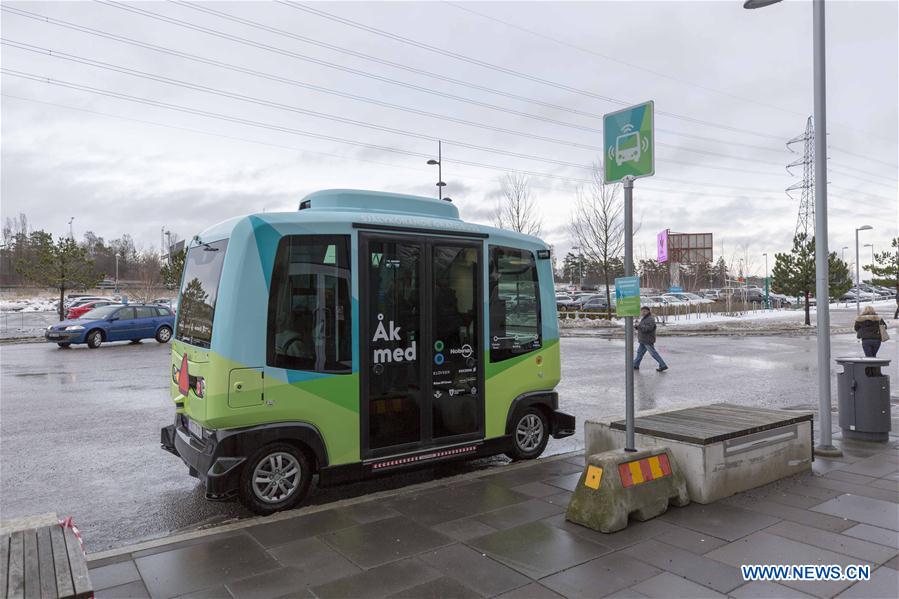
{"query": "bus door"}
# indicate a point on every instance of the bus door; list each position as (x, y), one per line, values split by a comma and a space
(421, 325)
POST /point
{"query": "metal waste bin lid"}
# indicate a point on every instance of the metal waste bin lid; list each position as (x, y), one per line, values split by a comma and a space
(864, 361)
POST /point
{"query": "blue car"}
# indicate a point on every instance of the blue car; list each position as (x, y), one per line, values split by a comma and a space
(114, 323)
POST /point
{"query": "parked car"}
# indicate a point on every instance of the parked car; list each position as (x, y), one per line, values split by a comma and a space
(749, 294)
(674, 299)
(77, 311)
(114, 322)
(564, 301)
(72, 302)
(595, 303)
(654, 301)
(880, 293)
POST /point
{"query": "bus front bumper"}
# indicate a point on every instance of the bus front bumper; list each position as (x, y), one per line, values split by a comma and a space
(219, 474)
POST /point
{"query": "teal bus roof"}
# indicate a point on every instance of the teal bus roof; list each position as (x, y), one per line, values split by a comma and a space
(377, 201)
(350, 206)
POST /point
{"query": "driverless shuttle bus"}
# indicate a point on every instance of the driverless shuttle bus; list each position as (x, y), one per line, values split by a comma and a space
(362, 334)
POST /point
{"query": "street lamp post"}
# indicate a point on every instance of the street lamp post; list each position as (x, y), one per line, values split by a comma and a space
(822, 276)
(767, 300)
(439, 163)
(858, 276)
(871, 245)
(843, 253)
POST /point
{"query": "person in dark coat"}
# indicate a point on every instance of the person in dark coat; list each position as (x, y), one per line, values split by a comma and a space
(646, 337)
(867, 328)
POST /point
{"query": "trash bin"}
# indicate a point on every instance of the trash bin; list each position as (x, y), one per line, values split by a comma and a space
(863, 393)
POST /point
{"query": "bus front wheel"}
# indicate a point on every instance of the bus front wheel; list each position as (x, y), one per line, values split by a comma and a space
(275, 478)
(530, 434)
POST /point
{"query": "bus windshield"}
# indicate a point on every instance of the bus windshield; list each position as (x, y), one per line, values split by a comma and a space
(199, 290)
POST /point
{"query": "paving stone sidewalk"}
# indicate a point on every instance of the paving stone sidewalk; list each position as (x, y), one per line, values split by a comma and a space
(502, 533)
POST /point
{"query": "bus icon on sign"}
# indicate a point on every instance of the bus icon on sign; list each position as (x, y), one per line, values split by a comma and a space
(627, 147)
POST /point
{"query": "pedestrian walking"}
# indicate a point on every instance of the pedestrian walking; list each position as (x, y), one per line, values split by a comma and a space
(646, 337)
(872, 330)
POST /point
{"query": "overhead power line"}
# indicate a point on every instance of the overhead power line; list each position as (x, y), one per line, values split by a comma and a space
(336, 118)
(255, 24)
(561, 42)
(747, 192)
(892, 165)
(105, 65)
(501, 69)
(326, 64)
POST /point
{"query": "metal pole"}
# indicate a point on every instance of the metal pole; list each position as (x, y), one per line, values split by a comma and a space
(825, 445)
(858, 280)
(629, 444)
(439, 170)
(767, 301)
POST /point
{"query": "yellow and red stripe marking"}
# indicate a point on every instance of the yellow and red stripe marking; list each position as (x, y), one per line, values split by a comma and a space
(644, 470)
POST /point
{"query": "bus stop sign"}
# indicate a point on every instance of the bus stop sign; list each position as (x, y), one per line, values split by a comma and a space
(628, 141)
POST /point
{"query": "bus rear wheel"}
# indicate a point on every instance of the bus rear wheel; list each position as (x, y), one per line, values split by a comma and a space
(275, 478)
(530, 434)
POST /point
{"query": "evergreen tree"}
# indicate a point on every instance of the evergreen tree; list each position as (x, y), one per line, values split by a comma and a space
(171, 271)
(886, 268)
(62, 265)
(794, 273)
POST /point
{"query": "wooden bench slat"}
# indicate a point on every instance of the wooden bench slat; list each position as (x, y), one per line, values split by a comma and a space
(45, 558)
(32, 566)
(16, 589)
(77, 565)
(61, 562)
(4, 565)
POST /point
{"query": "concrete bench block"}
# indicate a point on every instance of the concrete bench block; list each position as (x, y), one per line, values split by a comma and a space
(617, 484)
(743, 456)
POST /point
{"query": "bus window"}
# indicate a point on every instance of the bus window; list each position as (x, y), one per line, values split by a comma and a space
(309, 305)
(514, 303)
(454, 317)
(199, 290)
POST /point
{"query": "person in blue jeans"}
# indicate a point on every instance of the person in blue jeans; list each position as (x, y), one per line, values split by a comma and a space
(867, 328)
(646, 337)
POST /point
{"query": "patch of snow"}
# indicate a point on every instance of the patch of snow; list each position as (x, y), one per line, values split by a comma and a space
(34, 304)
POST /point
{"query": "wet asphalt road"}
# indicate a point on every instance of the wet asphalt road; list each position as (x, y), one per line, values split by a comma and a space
(80, 428)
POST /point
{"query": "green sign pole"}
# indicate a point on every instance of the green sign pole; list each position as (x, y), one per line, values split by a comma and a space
(628, 144)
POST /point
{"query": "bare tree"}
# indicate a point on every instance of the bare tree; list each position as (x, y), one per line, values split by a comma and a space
(149, 274)
(516, 209)
(597, 226)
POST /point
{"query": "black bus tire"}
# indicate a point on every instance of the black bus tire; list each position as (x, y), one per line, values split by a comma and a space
(530, 434)
(274, 458)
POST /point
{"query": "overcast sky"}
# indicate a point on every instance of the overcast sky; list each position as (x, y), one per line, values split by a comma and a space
(730, 86)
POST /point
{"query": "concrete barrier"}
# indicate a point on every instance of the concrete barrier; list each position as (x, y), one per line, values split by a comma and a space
(616, 485)
(722, 449)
